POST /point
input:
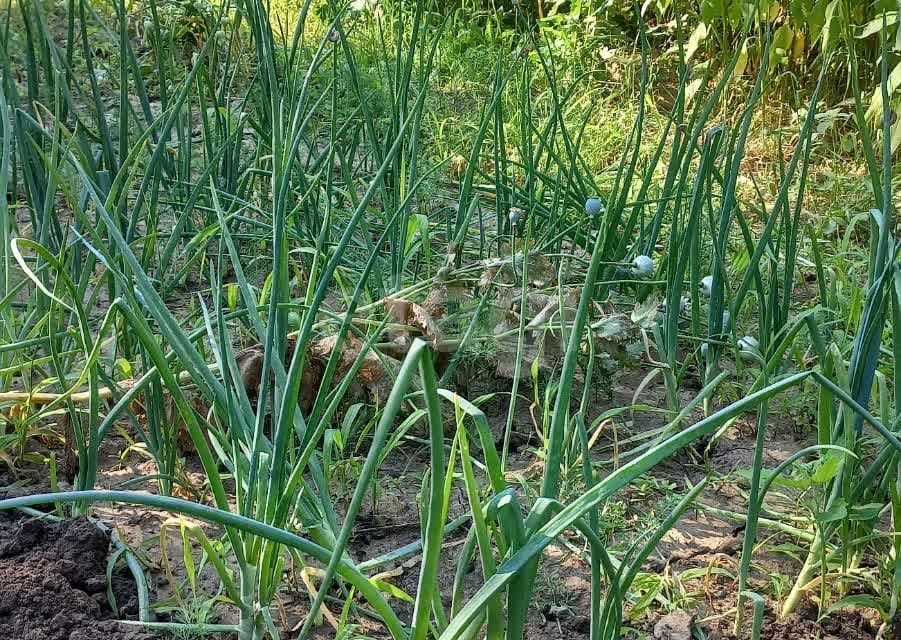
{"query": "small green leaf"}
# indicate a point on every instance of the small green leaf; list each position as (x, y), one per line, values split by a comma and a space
(704, 571)
(125, 367)
(791, 550)
(391, 590)
(712, 9)
(828, 468)
(864, 512)
(838, 511)
(418, 224)
(861, 600)
(188, 559)
(798, 480)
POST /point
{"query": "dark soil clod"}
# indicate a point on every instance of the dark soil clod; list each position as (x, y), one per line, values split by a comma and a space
(53, 582)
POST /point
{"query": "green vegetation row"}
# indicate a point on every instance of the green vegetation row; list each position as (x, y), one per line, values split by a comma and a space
(283, 190)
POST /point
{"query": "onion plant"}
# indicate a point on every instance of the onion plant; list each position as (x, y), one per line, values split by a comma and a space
(267, 197)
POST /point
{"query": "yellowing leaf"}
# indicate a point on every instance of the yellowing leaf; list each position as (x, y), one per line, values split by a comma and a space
(828, 27)
(695, 39)
(742, 63)
(799, 47)
(232, 295)
(874, 111)
(875, 25)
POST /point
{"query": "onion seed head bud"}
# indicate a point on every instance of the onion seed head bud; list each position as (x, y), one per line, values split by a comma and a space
(594, 207)
(643, 266)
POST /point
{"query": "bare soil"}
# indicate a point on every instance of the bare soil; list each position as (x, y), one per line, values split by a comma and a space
(53, 583)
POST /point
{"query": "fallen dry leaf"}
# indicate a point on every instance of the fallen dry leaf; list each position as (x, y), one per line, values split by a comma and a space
(436, 302)
(422, 320)
(371, 368)
(541, 272)
(414, 315)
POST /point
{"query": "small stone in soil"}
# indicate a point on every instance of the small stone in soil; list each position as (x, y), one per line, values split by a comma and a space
(674, 626)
